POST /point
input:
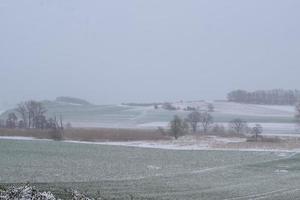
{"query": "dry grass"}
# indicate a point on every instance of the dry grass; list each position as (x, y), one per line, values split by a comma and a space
(91, 134)
(40, 134)
(268, 142)
(272, 139)
(225, 134)
(110, 134)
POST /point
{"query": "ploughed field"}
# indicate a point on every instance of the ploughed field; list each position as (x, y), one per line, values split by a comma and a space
(142, 173)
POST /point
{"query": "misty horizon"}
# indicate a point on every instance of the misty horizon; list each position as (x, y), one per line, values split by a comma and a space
(146, 51)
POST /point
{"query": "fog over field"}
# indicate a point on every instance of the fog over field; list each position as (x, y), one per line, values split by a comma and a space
(149, 99)
(143, 51)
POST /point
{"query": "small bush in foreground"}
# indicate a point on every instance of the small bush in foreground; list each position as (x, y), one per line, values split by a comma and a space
(28, 192)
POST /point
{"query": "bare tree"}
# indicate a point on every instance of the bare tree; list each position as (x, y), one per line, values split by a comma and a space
(193, 119)
(11, 121)
(56, 128)
(238, 126)
(32, 113)
(257, 130)
(23, 111)
(38, 111)
(40, 122)
(33, 116)
(178, 127)
(21, 124)
(206, 120)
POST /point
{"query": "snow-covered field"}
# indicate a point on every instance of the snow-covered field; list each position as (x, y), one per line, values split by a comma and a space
(187, 168)
(274, 119)
(151, 173)
(228, 110)
(188, 143)
(240, 109)
(183, 143)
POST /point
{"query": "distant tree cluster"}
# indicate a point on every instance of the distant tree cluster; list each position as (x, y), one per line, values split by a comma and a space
(182, 126)
(203, 118)
(190, 108)
(240, 126)
(271, 97)
(168, 106)
(31, 116)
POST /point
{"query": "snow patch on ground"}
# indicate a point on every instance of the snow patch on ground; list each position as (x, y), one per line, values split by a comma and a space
(239, 108)
(253, 109)
(191, 144)
(17, 138)
(184, 143)
(281, 171)
(153, 125)
(152, 167)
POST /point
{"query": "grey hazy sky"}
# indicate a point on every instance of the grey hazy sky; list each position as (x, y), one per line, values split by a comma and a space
(116, 51)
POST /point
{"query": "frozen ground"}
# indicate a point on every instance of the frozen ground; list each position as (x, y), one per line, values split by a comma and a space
(240, 109)
(146, 173)
(252, 109)
(183, 143)
(288, 144)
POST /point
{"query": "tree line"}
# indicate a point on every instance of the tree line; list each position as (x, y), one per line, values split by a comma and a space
(271, 97)
(32, 115)
(182, 126)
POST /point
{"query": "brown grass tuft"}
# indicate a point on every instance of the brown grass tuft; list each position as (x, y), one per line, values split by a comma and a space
(90, 134)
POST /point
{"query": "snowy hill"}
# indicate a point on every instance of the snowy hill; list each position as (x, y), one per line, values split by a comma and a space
(122, 116)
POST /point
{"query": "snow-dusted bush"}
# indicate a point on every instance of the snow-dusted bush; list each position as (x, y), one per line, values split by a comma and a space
(28, 192)
(25, 193)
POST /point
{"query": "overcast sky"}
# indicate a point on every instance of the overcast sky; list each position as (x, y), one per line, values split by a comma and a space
(114, 51)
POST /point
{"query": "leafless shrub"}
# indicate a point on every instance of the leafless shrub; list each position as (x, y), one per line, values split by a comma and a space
(257, 131)
(206, 120)
(239, 126)
(178, 127)
(220, 130)
(193, 119)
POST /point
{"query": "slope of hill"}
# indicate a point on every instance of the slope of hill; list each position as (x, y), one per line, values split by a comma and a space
(72, 100)
(124, 116)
